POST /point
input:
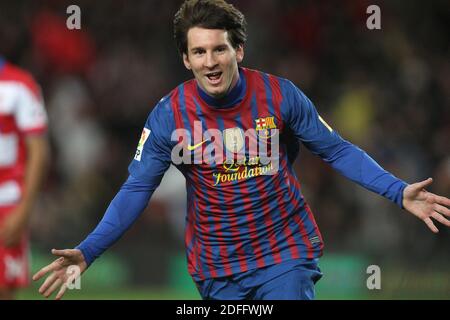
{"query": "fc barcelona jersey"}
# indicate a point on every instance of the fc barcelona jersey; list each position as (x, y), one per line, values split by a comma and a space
(242, 212)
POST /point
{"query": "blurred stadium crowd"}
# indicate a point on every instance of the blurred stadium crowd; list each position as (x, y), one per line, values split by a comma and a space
(386, 90)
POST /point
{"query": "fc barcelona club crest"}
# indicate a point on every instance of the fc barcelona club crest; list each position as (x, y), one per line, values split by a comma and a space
(233, 139)
(263, 126)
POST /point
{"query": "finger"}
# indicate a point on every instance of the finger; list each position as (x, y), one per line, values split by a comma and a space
(39, 274)
(61, 291)
(442, 210)
(47, 283)
(441, 219)
(422, 184)
(43, 271)
(431, 225)
(51, 267)
(443, 200)
(52, 288)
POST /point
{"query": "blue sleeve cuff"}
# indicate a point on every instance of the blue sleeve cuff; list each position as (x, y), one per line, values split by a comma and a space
(88, 256)
(399, 199)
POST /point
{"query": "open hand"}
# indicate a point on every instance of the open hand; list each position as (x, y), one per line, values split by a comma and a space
(59, 276)
(426, 205)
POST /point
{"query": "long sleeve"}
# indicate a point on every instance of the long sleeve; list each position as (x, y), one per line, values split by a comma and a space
(354, 163)
(122, 212)
(150, 162)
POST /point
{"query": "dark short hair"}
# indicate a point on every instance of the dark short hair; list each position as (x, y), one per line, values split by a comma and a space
(209, 14)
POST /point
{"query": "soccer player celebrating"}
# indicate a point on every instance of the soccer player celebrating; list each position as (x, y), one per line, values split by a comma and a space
(23, 155)
(249, 232)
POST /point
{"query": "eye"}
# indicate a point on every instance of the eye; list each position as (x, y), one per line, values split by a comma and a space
(221, 49)
(198, 52)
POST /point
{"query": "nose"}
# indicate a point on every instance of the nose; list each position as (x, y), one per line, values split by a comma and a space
(210, 60)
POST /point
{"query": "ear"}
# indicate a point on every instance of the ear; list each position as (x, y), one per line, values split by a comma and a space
(240, 53)
(186, 62)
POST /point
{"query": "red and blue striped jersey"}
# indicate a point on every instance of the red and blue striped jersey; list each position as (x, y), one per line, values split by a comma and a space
(239, 218)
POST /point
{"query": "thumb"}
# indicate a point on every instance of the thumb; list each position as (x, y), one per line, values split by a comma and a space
(63, 253)
(422, 184)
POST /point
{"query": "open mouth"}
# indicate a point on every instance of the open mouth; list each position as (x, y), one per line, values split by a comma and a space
(214, 77)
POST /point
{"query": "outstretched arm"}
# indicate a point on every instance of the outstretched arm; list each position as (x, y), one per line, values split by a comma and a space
(151, 161)
(357, 165)
(123, 211)
(426, 205)
(352, 162)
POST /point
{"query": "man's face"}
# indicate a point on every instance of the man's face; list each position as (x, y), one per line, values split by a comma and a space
(213, 60)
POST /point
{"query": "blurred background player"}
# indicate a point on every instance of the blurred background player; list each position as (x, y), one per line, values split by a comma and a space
(23, 157)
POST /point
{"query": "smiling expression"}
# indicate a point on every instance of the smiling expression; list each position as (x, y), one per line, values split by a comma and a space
(213, 60)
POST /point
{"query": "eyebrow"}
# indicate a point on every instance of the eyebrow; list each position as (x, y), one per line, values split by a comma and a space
(224, 45)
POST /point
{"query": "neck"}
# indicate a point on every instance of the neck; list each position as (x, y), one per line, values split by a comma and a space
(231, 98)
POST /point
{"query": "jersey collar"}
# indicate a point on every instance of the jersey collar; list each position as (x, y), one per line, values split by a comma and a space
(231, 99)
